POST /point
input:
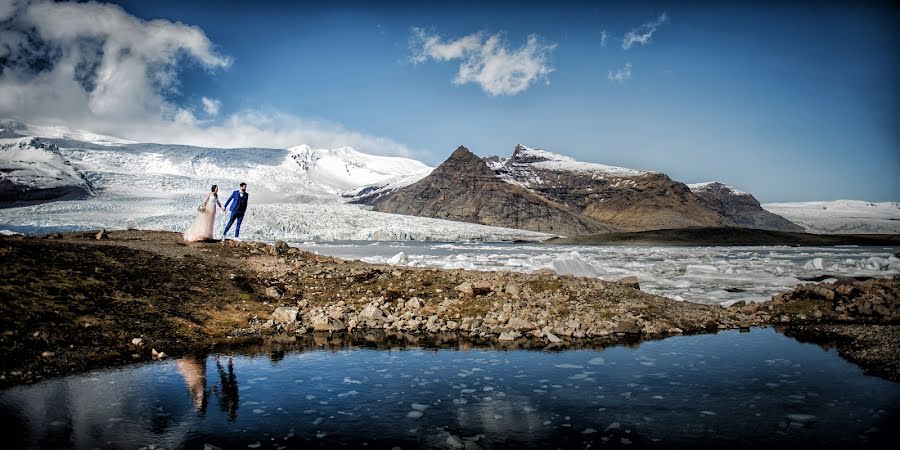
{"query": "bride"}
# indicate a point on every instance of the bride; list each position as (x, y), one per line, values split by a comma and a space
(202, 228)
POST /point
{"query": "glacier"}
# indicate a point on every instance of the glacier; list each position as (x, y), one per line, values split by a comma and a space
(297, 194)
(841, 216)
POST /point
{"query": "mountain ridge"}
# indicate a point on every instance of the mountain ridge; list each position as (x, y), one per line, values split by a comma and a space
(614, 198)
(464, 188)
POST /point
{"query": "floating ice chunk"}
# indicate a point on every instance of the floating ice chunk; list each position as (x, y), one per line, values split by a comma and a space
(398, 259)
(415, 414)
(598, 361)
(569, 366)
(815, 264)
(419, 407)
(572, 263)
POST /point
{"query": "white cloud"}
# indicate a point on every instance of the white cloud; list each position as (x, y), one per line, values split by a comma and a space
(604, 37)
(621, 74)
(642, 34)
(487, 60)
(7, 8)
(211, 106)
(95, 67)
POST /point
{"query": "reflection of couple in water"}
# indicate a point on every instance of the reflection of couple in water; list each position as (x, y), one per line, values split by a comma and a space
(226, 391)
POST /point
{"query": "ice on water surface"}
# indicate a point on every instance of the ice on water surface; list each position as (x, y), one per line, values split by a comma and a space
(697, 274)
(526, 396)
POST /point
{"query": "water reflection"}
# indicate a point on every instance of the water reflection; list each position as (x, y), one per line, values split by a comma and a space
(227, 390)
(757, 388)
(194, 373)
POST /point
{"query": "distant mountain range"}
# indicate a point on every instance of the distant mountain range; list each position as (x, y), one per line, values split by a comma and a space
(539, 190)
(533, 189)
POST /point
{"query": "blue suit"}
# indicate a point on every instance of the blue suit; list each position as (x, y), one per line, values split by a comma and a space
(238, 208)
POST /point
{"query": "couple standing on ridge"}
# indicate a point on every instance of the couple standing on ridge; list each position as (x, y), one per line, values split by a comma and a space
(202, 228)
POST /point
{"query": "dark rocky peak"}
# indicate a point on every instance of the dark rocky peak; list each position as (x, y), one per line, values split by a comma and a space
(463, 154)
(463, 162)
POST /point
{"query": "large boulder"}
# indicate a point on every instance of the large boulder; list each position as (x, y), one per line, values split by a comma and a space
(371, 316)
(285, 315)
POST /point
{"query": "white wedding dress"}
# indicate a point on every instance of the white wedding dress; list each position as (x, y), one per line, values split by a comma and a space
(202, 228)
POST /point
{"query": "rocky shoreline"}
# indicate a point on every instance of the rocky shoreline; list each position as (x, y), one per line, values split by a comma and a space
(77, 301)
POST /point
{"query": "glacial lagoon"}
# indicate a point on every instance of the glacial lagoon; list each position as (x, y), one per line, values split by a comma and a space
(732, 389)
(712, 275)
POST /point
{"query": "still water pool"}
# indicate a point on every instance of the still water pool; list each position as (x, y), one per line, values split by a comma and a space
(727, 389)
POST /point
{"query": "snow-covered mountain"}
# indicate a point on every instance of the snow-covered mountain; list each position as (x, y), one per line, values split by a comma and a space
(58, 132)
(301, 193)
(741, 207)
(526, 162)
(346, 169)
(464, 188)
(297, 194)
(31, 169)
(565, 196)
(841, 216)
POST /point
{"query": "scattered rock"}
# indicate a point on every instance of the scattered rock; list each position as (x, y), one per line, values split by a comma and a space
(630, 281)
(628, 327)
(371, 316)
(414, 304)
(274, 293)
(481, 288)
(137, 341)
(280, 248)
(552, 338)
(518, 324)
(510, 335)
(464, 287)
(285, 315)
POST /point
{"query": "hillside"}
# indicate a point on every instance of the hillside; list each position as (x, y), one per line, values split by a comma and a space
(465, 189)
(740, 207)
(543, 191)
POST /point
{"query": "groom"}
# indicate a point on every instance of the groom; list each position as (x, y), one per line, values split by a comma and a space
(238, 202)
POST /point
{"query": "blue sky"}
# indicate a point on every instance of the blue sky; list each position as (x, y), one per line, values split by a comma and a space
(792, 102)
